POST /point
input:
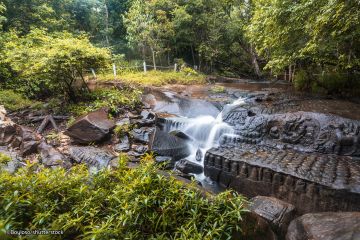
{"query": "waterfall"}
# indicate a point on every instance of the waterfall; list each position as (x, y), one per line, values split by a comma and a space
(205, 130)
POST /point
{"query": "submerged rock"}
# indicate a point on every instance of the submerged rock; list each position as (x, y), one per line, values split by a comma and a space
(329, 226)
(93, 157)
(185, 166)
(92, 127)
(166, 144)
(199, 155)
(180, 134)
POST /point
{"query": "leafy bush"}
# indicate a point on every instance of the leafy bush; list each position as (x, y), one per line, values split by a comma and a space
(333, 82)
(121, 204)
(14, 101)
(54, 63)
(302, 80)
(327, 82)
(189, 71)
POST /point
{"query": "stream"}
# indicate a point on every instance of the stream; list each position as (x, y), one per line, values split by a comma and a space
(202, 121)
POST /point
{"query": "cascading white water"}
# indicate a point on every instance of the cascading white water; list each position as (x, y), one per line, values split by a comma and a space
(204, 130)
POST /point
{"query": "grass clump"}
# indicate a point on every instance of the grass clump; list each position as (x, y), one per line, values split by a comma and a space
(122, 130)
(158, 78)
(14, 101)
(112, 99)
(4, 159)
(218, 89)
(119, 204)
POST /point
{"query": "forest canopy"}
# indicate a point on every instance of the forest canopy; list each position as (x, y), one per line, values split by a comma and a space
(311, 42)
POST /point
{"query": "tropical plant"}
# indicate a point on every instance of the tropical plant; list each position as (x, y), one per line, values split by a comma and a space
(114, 204)
(52, 63)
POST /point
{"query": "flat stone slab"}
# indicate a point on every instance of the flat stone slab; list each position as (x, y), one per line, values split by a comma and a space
(94, 157)
(311, 182)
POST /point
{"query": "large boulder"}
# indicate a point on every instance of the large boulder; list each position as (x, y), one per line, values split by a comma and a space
(50, 157)
(328, 225)
(186, 166)
(92, 156)
(165, 144)
(141, 135)
(92, 127)
(29, 141)
(278, 213)
(7, 128)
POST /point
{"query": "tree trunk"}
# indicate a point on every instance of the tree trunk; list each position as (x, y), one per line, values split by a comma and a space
(168, 58)
(199, 62)
(255, 62)
(293, 73)
(106, 24)
(143, 52)
(193, 55)
(290, 74)
(153, 56)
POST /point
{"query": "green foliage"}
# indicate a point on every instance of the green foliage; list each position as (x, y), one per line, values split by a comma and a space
(14, 101)
(112, 99)
(4, 159)
(302, 80)
(51, 63)
(193, 30)
(148, 158)
(333, 82)
(218, 89)
(307, 33)
(2, 18)
(122, 130)
(189, 71)
(53, 136)
(157, 78)
(122, 204)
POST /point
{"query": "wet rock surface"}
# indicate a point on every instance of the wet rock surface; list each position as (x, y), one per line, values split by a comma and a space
(186, 166)
(50, 157)
(310, 160)
(15, 160)
(8, 129)
(141, 135)
(278, 213)
(311, 182)
(92, 156)
(329, 226)
(90, 128)
(166, 144)
(301, 131)
(124, 145)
